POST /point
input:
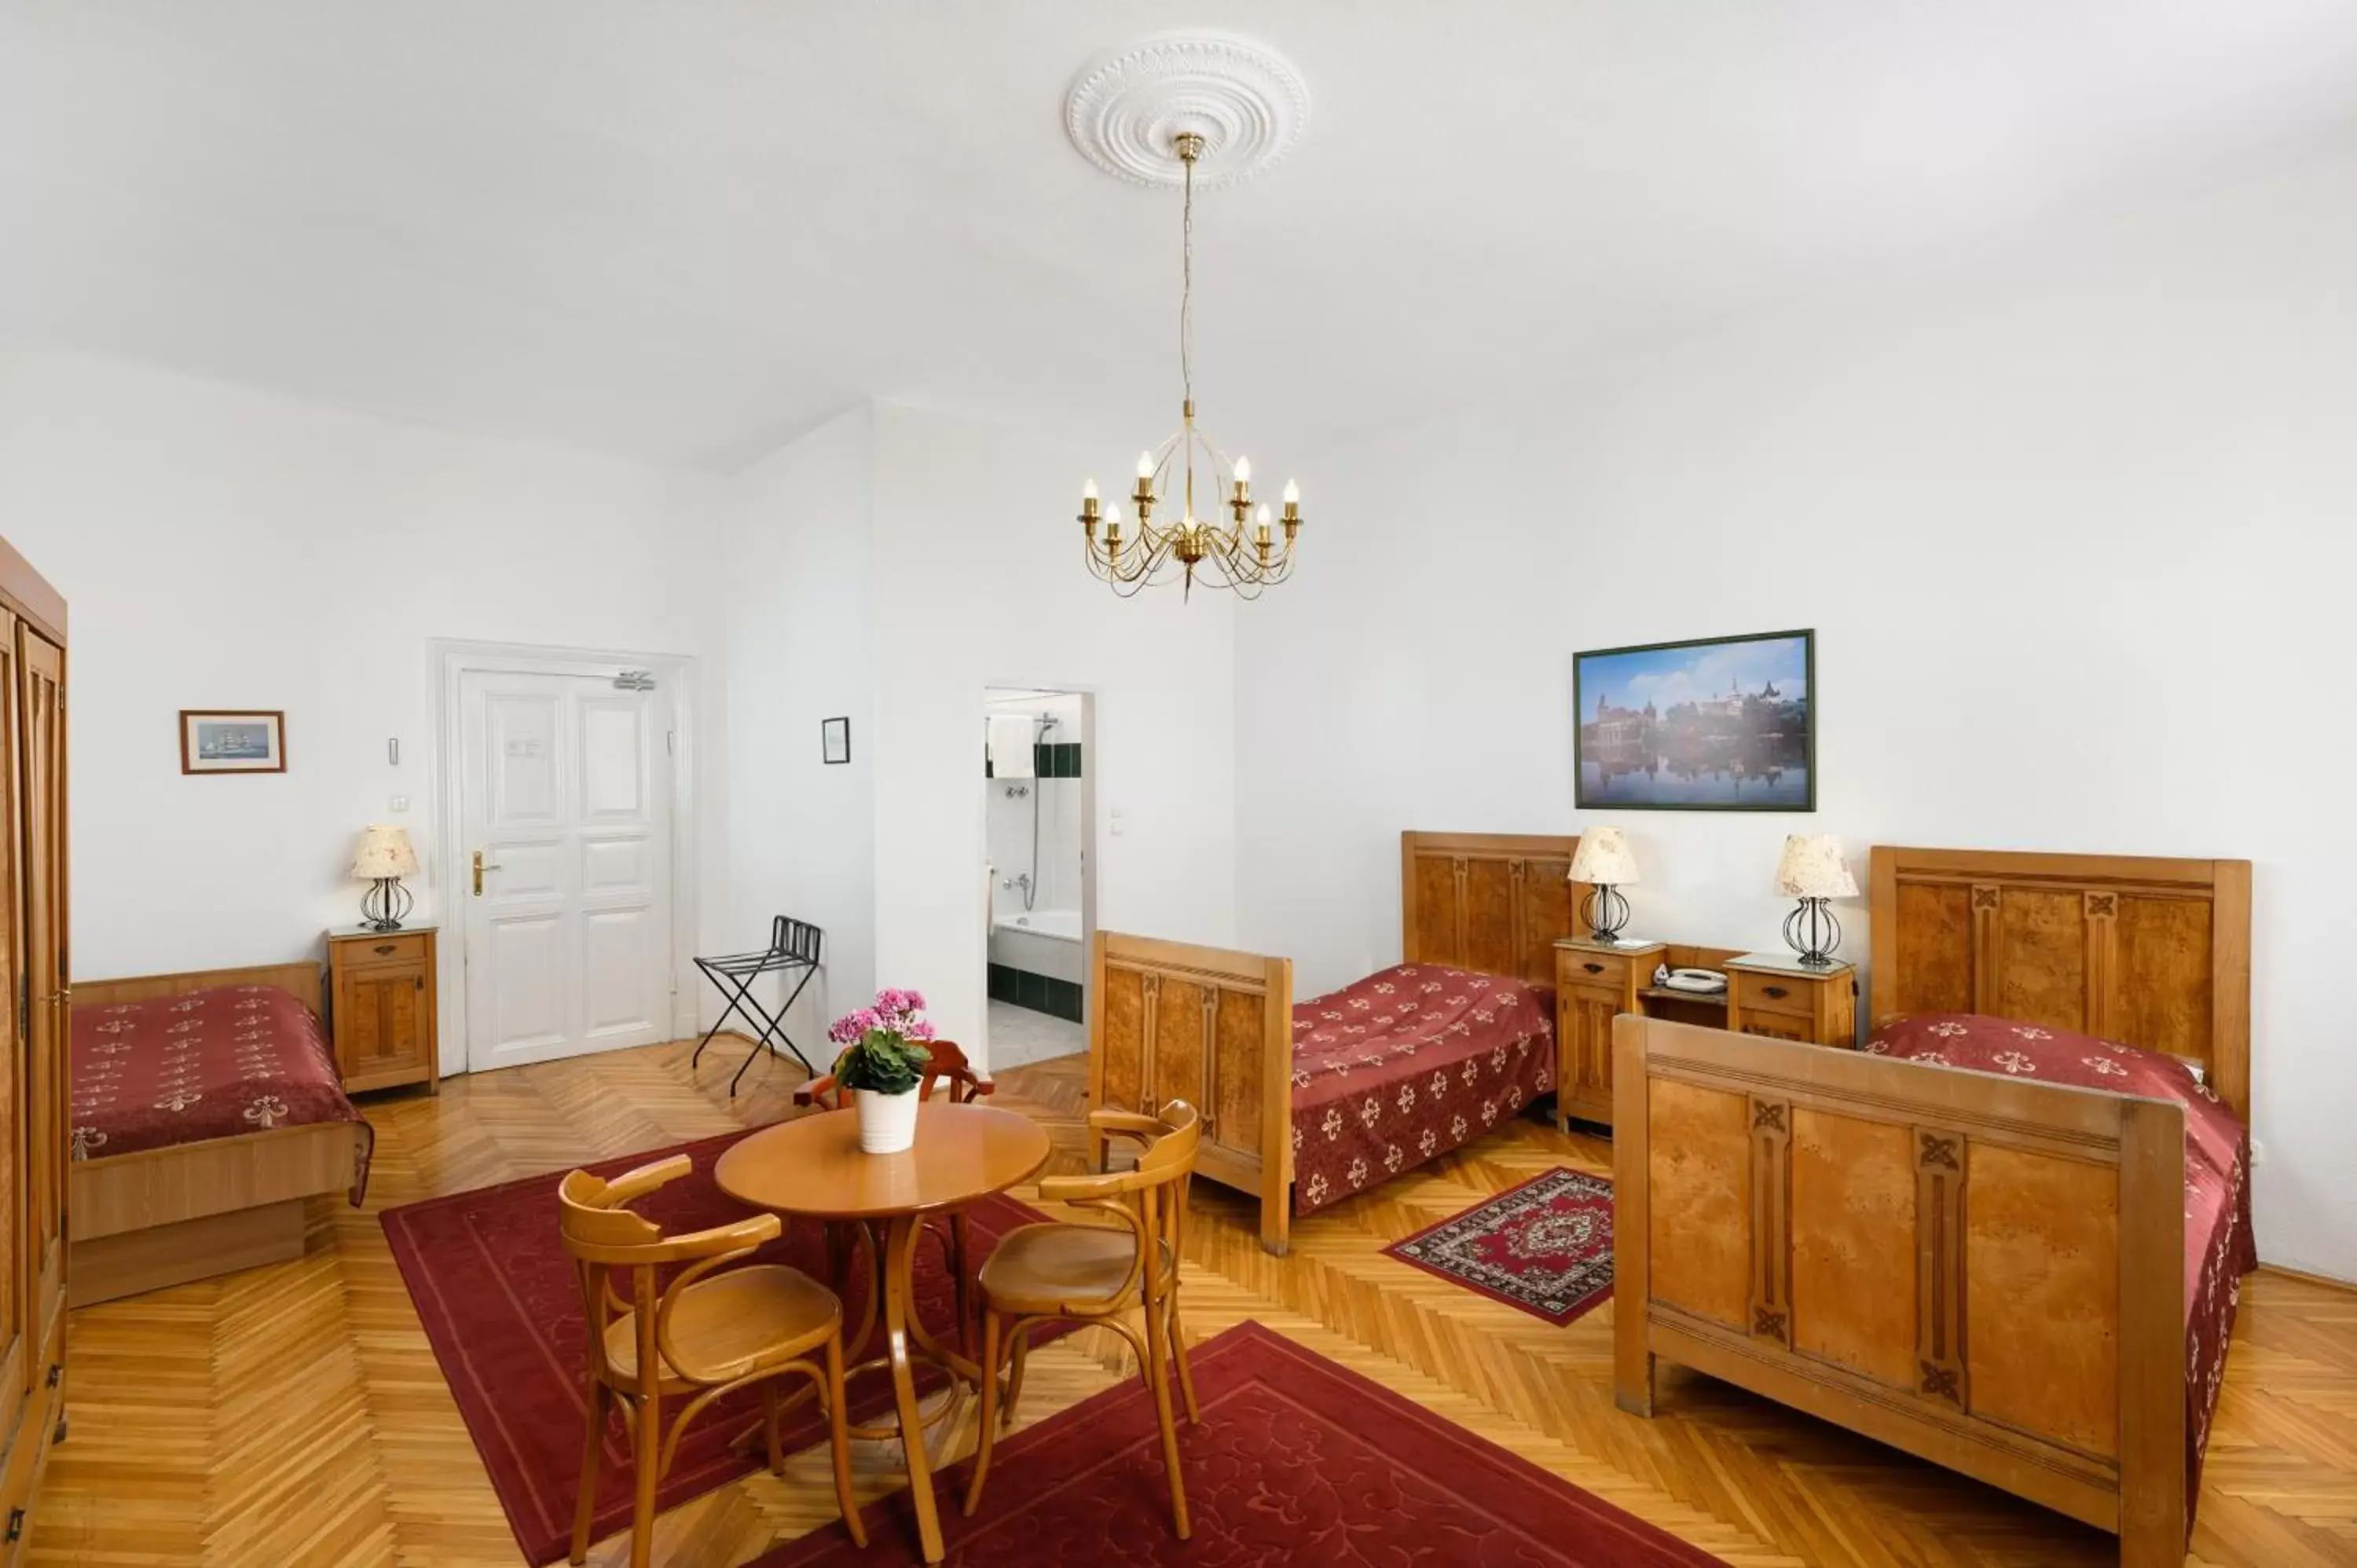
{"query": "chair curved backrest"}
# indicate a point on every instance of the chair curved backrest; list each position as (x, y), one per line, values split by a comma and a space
(1150, 1198)
(603, 1237)
(947, 1064)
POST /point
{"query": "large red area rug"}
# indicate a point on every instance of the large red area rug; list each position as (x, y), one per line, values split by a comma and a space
(1298, 1460)
(501, 1307)
(1545, 1246)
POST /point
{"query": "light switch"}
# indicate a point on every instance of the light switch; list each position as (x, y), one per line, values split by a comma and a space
(399, 803)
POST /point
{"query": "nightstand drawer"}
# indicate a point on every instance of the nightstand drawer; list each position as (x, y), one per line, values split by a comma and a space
(1775, 994)
(1577, 966)
(392, 947)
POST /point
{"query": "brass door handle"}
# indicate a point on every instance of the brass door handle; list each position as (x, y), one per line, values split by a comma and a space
(481, 865)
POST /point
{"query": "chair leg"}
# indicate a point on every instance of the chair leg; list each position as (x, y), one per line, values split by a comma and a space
(990, 1321)
(1158, 1378)
(1179, 1354)
(839, 1440)
(647, 1450)
(960, 1249)
(838, 1257)
(1021, 1335)
(770, 1426)
(592, 1449)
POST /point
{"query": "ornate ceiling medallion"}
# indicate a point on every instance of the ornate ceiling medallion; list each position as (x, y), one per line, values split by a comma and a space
(1129, 107)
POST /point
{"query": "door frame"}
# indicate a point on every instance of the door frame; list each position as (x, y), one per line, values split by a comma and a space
(452, 658)
(1090, 693)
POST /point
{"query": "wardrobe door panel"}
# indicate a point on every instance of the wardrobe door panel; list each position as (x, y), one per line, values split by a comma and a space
(16, 1269)
(43, 815)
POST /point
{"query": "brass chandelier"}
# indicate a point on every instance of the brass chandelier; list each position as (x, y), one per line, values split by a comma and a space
(1242, 559)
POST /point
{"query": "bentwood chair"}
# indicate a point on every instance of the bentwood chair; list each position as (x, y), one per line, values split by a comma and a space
(947, 1066)
(703, 1335)
(1097, 1273)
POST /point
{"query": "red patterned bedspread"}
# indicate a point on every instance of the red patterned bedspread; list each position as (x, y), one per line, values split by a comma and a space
(208, 1064)
(1407, 1064)
(2218, 1246)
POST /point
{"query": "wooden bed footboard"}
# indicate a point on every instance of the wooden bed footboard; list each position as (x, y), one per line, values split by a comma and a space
(1211, 1027)
(1984, 1271)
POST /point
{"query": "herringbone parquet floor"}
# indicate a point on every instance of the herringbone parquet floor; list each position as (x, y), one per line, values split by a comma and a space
(294, 1415)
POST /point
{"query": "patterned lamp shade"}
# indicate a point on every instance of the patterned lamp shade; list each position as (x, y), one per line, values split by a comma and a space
(384, 852)
(1603, 858)
(1813, 867)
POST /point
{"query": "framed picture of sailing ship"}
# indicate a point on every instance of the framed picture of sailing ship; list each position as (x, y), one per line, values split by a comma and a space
(1719, 724)
(232, 740)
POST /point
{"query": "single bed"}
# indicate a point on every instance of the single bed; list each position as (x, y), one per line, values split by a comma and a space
(1305, 1105)
(1948, 1241)
(206, 1110)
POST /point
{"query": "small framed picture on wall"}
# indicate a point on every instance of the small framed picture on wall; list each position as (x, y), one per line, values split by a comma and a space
(232, 740)
(835, 740)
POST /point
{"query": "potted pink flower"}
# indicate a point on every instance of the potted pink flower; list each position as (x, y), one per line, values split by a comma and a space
(883, 1065)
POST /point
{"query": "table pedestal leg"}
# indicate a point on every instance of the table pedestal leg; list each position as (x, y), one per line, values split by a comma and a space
(900, 1277)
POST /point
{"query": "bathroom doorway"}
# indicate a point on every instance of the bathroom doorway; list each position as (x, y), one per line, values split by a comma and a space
(1039, 815)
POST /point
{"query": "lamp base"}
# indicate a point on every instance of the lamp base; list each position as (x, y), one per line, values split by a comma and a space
(385, 905)
(1606, 912)
(1811, 931)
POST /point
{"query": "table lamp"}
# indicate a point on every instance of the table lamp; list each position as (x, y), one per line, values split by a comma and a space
(384, 859)
(1603, 862)
(1813, 871)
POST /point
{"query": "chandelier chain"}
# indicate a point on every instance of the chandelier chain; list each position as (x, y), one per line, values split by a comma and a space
(1187, 288)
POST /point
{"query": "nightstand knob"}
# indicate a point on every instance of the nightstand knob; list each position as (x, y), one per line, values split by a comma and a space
(384, 948)
(1593, 968)
(1775, 991)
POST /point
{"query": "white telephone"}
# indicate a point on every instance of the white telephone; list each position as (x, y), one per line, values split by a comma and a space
(1703, 982)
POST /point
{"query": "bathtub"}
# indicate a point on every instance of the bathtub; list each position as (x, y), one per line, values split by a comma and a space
(1064, 925)
(1044, 941)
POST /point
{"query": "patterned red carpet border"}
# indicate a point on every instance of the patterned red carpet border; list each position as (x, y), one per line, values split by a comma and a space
(1298, 1460)
(502, 1308)
(1545, 1246)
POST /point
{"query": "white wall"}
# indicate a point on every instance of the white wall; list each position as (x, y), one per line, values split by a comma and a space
(220, 546)
(2072, 524)
(979, 583)
(799, 573)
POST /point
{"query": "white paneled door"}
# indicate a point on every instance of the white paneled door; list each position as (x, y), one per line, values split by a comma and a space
(566, 807)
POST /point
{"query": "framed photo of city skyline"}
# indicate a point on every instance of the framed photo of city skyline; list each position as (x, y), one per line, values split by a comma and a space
(1718, 724)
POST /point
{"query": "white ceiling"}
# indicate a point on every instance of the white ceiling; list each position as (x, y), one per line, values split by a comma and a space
(683, 230)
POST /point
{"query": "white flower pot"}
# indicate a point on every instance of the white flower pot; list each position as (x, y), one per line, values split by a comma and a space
(887, 1123)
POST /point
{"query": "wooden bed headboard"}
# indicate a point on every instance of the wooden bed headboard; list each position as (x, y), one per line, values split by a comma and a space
(299, 980)
(2155, 952)
(1490, 902)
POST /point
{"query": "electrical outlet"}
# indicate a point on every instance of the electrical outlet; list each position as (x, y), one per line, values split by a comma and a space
(2258, 1152)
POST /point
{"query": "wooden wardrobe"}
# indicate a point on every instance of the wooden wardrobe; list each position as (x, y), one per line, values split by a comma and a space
(34, 1090)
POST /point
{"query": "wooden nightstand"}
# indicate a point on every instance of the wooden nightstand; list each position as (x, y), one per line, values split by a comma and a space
(381, 1007)
(1777, 995)
(1594, 983)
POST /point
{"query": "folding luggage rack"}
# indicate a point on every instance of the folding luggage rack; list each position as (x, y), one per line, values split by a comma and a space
(793, 950)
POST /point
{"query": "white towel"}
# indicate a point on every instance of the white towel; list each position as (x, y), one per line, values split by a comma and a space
(1010, 746)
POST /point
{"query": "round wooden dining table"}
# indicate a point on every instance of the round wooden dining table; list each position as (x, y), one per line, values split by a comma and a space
(813, 1167)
